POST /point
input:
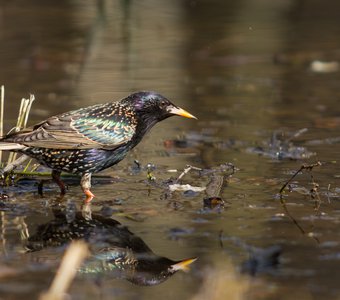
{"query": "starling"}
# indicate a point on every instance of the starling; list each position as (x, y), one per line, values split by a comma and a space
(91, 139)
(115, 250)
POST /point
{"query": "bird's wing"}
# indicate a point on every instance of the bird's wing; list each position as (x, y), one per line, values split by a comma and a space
(81, 129)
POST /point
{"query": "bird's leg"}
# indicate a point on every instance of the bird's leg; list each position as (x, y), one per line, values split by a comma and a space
(85, 183)
(58, 181)
(40, 187)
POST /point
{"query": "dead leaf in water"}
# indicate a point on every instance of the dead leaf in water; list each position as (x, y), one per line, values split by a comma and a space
(331, 122)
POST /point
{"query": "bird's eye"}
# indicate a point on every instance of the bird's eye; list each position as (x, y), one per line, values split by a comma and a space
(162, 104)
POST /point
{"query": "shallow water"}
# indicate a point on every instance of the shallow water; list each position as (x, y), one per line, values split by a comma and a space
(244, 69)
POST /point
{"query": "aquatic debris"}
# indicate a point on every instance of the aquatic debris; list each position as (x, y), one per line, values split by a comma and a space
(213, 202)
(185, 187)
(313, 192)
(213, 191)
(135, 168)
(150, 167)
(218, 180)
(303, 167)
(186, 170)
(328, 122)
(213, 188)
(3, 196)
(279, 147)
(176, 186)
(324, 66)
(218, 177)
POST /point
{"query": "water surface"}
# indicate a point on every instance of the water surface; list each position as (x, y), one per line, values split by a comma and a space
(244, 69)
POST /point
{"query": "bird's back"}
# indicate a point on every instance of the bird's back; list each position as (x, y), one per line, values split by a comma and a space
(103, 126)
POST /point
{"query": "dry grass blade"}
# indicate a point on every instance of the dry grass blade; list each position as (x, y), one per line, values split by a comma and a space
(73, 258)
(24, 111)
(2, 104)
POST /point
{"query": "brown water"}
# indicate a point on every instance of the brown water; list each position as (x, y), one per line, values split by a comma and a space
(244, 69)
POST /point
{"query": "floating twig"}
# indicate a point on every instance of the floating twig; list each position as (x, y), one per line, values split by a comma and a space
(186, 171)
(213, 191)
(313, 193)
(303, 167)
(296, 134)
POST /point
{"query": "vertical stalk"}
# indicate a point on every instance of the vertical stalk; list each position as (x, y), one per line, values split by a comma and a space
(2, 104)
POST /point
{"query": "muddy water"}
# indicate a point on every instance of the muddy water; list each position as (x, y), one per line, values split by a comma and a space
(247, 70)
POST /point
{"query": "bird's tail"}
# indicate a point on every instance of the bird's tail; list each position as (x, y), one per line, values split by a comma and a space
(11, 146)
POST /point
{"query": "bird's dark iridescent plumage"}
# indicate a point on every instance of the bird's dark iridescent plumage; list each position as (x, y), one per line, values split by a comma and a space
(91, 139)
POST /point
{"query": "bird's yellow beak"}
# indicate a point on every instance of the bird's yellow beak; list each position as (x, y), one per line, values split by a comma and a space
(180, 112)
(183, 265)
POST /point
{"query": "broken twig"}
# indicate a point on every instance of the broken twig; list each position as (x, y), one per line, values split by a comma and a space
(303, 167)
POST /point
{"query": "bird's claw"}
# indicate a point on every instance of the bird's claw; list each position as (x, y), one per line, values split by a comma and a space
(89, 195)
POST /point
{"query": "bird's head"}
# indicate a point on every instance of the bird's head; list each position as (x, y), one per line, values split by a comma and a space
(153, 107)
(153, 270)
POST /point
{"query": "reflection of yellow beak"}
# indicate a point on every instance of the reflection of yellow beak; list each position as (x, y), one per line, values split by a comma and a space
(183, 265)
(180, 112)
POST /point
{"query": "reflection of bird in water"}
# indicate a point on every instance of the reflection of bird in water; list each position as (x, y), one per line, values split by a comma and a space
(91, 139)
(115, 250)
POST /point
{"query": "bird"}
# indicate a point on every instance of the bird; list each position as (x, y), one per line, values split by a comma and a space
(91, 139)
(114, 249)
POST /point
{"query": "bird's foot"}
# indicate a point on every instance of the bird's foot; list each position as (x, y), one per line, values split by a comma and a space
(89, 195)
(41, 187)
(59, 182)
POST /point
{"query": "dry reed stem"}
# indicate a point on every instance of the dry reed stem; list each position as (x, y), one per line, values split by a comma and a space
(2, 104)
(223, 282)
(24, 111)
(73, 258)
